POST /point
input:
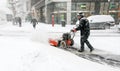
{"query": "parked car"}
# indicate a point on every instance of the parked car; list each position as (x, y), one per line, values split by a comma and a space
(101, 21)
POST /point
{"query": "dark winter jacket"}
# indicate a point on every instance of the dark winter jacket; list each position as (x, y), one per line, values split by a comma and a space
(34, 21)
(84, 27)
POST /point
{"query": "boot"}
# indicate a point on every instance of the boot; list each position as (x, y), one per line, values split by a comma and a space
(91, 49)
(81, 50)
(89, 46)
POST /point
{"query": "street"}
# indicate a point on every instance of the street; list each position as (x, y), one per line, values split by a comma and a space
(47, 35)
(25, 49)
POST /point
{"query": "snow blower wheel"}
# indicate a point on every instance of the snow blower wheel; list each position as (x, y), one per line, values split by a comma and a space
(72, 42)
(63, 44)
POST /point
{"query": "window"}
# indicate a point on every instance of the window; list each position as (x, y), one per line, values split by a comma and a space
(62, 6)
(83, 6)
(113, 5)
(74, 6)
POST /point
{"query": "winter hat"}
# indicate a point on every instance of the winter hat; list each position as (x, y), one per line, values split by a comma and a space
(80, 14)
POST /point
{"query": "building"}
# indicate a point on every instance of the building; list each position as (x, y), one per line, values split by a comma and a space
(67, 9)
(20, 8)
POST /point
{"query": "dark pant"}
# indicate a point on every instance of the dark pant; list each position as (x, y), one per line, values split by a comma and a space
(19, 24)
(34, 25)
(84, 39)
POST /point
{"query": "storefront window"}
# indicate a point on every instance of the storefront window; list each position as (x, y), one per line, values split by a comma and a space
(86, 7)
(60, 9)
(113, 5)
(92, 6)
(58, 17)
(73, 18)
(104, 8)
(81, 6)
(113, 10)
(74, 6)
(62, 6)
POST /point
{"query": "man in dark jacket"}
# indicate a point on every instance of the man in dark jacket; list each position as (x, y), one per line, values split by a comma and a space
(85, 32)
(34, 22)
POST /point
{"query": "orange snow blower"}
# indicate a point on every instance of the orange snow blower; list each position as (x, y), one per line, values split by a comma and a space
(66, 41)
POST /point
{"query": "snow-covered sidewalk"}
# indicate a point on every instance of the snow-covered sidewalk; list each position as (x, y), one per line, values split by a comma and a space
(23, 54)
(107, 40)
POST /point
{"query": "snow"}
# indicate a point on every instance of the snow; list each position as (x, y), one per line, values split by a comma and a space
(100, 18)
(27, 49)
(107, 40)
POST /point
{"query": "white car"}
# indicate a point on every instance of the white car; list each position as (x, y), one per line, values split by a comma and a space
(101, 21)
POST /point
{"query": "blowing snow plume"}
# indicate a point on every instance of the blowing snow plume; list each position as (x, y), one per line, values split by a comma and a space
(40, 36)
(44, 36)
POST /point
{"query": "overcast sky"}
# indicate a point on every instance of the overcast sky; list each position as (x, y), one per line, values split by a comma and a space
(3, 4)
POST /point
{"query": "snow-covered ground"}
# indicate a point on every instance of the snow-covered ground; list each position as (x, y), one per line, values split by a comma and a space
(107, 40)
(20, 52)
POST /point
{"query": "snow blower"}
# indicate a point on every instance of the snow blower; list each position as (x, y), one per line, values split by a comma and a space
(66, 41)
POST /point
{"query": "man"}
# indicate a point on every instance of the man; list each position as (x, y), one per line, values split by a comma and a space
(85, 32)
(34, 22)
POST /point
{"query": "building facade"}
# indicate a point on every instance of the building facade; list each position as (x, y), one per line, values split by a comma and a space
(20, 8)
(68, 9)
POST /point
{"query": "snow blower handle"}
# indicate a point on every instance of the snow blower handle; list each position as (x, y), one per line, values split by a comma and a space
(72, 34)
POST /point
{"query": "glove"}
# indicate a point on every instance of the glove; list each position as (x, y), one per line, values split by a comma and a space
(73, 30)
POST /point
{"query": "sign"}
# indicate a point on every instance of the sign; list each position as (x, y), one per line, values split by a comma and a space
(83, 6)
